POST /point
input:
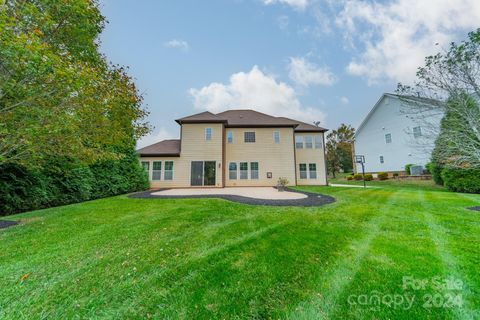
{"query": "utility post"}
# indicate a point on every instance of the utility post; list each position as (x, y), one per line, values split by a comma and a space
(361, 159)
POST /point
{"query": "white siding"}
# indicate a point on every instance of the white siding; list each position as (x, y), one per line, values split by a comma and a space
(387, 118)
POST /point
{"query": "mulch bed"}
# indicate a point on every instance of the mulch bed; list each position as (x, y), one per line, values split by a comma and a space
(6, 224)
(474, 208)
(312, 200)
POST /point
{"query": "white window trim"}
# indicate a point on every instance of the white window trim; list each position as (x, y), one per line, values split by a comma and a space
(318, 141)
(305, 142)
(161, 169)
(229, 132)
(250, 170)
(236, 170)
(300, 171)
(211, 134)
(165, 170)
(254, 136)
(300, 138)
(149, 172)
(274, 139)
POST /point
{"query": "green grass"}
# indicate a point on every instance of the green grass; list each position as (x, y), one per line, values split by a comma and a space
(390, 183)
(209, 258)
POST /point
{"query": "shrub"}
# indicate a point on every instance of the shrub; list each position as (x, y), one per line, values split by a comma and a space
(428, 168)
(407, 168)
(350, 177)
(462, 180)
(382, 176)
(395, 174)
(358, 177)
(63, 180)
(436, 171)
(282, 182)
(368, 177)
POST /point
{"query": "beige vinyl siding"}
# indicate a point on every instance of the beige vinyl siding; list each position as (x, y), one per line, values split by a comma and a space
(308, 156)
(277, 158)
(194, 147)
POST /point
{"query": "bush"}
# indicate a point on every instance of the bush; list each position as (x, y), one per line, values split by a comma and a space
(358, 177)
(436, 171)
(462, 180)
(382, 176)
(64, 180)
(350, 177)
(368, 177)
(395, 174)
(407, 168)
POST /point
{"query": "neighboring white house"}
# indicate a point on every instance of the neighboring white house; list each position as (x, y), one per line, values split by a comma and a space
(389, 137)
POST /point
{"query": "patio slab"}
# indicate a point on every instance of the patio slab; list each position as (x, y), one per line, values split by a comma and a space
(248, 195)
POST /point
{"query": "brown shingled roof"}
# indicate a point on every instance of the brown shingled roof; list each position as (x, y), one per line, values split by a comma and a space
(305, 127)
(201, 117)
(251, 118)
(165, 148)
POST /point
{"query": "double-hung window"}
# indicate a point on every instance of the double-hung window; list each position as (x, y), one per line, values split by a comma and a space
(168, 175)
(312, 170)
(157, 170)
(229, 136)
(381, 159)
(308, 142)
(318, 141)
(303, 170)
(299, 142)
(417, 132)
(232, 171)
(249, 137)
(253, 170)
(208, 133)
(276, 136)
(243, 170)
(388, 138)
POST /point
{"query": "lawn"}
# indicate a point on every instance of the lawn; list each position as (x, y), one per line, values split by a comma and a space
(210, 258)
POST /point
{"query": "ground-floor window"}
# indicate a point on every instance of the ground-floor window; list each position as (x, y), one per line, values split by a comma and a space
(157, 170)
(168, 175)
(232, 171)
(303, 170)
(312, 170)
(253, 170)
(243, 170)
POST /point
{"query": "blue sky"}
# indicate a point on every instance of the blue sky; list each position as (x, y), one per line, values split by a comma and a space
(307, 59)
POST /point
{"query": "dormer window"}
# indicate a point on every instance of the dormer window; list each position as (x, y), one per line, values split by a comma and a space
(208, 134)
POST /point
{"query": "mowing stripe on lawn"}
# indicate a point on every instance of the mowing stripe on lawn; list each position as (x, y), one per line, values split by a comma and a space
(439, 236)
(342, 272)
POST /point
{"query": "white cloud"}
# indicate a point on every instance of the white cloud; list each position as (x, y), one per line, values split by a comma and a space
(177, 44)
(395, 37)
(297, 4)
(254, 90)
(344, 100)
(154, 137)
(306, 73)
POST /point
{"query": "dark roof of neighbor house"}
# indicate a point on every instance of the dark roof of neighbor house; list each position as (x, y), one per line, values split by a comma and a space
(165, 148)
(231, 118)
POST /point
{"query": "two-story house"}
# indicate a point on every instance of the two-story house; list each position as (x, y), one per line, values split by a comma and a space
(392, 135)
(237, 148)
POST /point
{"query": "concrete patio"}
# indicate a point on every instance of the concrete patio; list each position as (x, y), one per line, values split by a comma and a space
(265, 193)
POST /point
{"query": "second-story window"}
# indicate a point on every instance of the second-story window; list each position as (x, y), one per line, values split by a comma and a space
(276, 136)
(299, 142)
(381, 159)
(308, 142)
(249, 136)
(417, 132)
(318, 141)
(208, 133)
(388, 138)
(229, 136)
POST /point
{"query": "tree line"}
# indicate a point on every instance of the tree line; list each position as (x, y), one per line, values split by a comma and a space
(69, 119)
